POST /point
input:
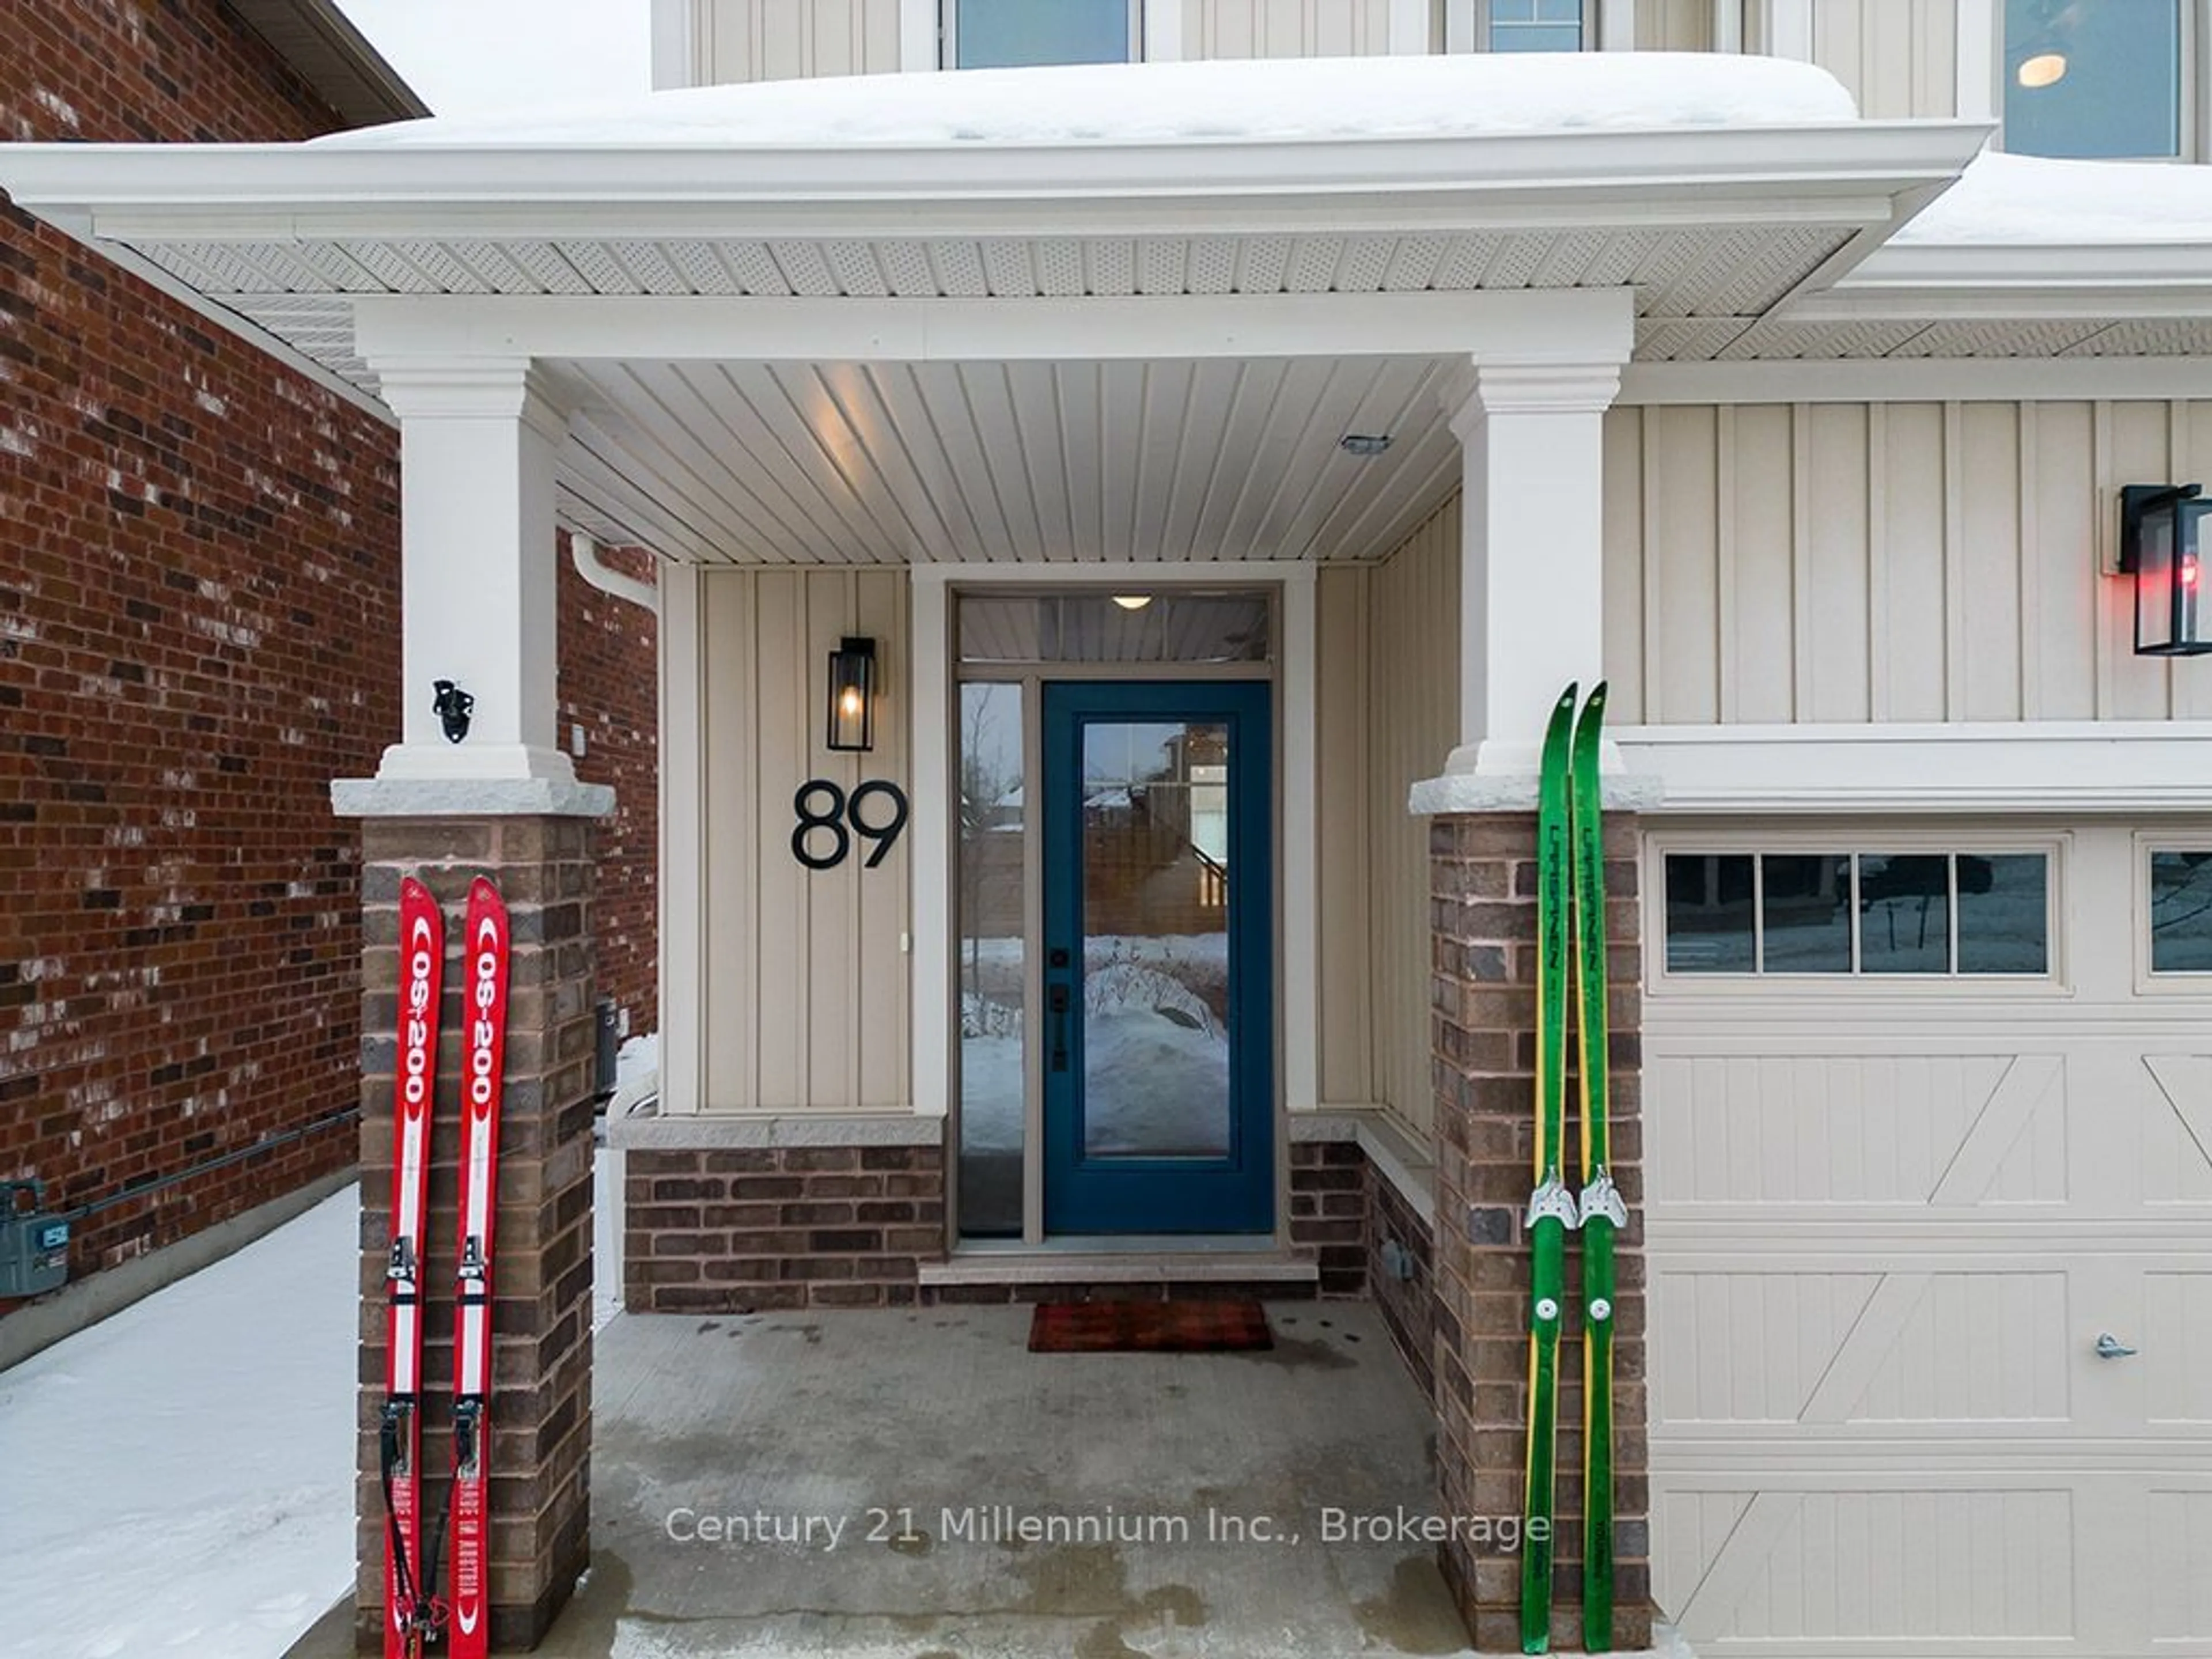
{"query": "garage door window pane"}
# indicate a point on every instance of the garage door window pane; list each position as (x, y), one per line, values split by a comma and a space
(1904, 912)
(2004, 913)
(1806, 901)
(1709, 914)
(2181, 913)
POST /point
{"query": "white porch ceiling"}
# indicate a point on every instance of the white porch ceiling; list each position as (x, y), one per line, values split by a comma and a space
(726, 431)
(899, 463)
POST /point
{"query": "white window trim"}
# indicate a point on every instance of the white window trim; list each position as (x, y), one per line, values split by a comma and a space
(676, 55)
(918, 42)
(1872, 837)
(1788, 31)
(1163, 33)
(682, 842)
(2174, 982)
(942, 19)
(1980, 58)
(1728, 26)
(1409, 28)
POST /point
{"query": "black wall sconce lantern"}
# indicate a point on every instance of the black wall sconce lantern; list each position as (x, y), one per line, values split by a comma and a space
(852, 695)
(453, 708)
(2162, 541)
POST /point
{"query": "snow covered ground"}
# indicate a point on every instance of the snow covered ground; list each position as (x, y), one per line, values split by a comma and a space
(180, 1475)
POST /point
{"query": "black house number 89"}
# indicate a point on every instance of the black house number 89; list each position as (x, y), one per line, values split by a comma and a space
(823, 809)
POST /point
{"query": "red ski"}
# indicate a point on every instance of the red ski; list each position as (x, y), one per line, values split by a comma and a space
(408, 1622)
(484, 958)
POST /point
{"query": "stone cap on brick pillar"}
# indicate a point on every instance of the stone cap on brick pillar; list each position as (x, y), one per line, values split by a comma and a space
(1516, 792)
(470, 797)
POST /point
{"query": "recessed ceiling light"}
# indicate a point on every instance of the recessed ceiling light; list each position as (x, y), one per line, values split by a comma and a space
(2045, 68)
(1132, 601)
(1363, 444)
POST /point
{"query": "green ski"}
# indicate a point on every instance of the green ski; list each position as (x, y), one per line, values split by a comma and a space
(1551, 1206)
(1600, 1213)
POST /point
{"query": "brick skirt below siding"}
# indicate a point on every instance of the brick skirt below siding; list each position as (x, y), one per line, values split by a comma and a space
(1408, 1305)
(748, 1229)
(745, 1230)
(1329, 1182)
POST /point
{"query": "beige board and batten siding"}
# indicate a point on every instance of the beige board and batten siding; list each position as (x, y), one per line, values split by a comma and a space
(794, 39)
(1851, 563)
(1286, 28)
(804, 1000)
(1413, 703)
(1674, 25)
(1388, 703)
(1898, 57)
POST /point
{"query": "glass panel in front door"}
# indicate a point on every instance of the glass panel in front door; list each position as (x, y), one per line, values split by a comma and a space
(993, 931)
(1155, 959)
(1159, 1050)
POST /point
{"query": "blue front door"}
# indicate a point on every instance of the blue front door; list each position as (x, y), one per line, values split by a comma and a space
(1159, 1030)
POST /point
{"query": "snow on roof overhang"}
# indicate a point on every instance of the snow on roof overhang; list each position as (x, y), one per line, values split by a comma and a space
(2024, 257)
(1701, 222)
(1729, 192)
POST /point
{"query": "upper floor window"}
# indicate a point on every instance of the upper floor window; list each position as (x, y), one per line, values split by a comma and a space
(1535, 25)
(2093, 78)
(1018, 33)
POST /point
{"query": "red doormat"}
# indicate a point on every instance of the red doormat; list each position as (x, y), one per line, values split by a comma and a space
(1149, 1328)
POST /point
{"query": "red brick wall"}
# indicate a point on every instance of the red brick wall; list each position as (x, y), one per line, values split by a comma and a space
(609, 686)
(196, 629)
(147, 71)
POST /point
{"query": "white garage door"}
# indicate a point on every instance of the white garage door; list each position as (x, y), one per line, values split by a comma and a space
(1893, 1208)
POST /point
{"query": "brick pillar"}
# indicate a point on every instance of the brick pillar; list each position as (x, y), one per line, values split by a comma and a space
(541, 1405)
(1483, 918)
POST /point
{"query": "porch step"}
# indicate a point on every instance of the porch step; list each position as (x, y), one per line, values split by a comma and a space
(1015, 1268)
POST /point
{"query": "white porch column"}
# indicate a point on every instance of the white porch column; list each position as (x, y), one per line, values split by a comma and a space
(477, 565)
(1532, 552)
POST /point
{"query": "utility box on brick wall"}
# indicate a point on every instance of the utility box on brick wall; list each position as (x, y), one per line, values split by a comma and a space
(33, 1245)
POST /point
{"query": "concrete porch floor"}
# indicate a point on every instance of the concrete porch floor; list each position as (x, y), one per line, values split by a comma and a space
(822, 1417)
(811, 1421)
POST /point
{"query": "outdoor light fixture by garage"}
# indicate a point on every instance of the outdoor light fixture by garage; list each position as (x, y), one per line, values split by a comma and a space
(2161, 542)
(852, 695)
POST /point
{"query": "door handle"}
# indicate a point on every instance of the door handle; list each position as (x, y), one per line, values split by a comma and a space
(2111, 1347)
(1056, 999)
